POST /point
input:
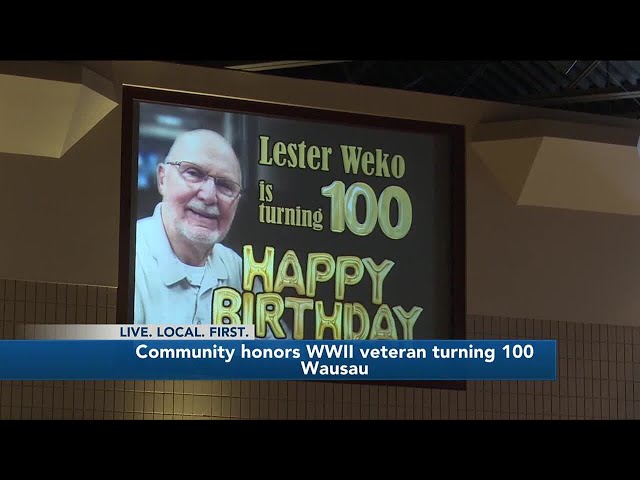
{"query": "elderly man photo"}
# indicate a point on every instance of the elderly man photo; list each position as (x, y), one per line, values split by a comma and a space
(179, 257)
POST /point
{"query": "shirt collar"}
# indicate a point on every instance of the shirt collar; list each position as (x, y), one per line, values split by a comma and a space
(172, 270)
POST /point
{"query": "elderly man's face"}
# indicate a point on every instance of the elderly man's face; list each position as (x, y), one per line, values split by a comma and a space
(198, 211)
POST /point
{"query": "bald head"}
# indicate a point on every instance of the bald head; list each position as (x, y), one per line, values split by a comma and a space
(197, 210)
(204, 145)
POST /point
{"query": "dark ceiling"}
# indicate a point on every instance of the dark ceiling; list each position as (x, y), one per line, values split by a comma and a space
(607, 87)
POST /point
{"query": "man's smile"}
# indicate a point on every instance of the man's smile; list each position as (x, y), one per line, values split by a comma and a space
(203, 217)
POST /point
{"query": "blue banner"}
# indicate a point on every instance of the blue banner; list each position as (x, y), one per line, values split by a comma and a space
(278, 360)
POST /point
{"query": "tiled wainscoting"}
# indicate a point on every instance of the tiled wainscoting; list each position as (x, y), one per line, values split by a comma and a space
(598, 377)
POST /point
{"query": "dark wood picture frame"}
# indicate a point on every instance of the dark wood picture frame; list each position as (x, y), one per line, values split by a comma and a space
(128, 186)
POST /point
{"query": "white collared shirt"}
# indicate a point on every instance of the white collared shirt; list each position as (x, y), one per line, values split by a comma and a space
(168, 292)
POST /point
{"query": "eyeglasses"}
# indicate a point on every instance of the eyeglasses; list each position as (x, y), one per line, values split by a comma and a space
(194, 175)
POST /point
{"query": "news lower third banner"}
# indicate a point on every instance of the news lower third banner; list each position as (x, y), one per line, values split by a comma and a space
(237, 359)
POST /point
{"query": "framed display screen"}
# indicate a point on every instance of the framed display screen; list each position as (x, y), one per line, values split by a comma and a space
(309, 224)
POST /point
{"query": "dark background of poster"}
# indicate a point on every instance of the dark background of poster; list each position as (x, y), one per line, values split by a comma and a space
(421, 275)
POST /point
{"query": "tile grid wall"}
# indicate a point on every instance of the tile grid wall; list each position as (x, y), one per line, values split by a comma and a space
(598, 376)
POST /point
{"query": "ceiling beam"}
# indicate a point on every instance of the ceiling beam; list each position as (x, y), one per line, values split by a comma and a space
(581, 96)
(477, 72)
(585, 73)
(281, 64)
